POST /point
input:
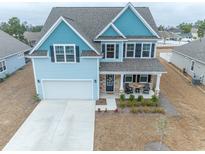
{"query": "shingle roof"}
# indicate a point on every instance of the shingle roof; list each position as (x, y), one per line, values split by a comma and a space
(89, 21)
(89, 53)
(133, 65)
(195, 49)
(32, 36)
(41, 53)
(10, 45)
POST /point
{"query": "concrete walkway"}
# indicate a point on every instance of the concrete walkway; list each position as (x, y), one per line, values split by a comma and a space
(169, 108)
(111, 105)
(57, 125)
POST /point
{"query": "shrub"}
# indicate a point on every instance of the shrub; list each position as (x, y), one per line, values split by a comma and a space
(36, 98)
(155, 98)
(122, 97)
(133, 110)
(146, 110)
(140, 98)
(143, 103)
(159, 110)
(131, 98)
(122, 104)
(138, 103)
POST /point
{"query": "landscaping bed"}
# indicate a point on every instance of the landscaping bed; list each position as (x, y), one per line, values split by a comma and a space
(139, 105)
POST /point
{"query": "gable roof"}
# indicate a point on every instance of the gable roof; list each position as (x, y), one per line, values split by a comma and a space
(89, 21)
(10, 45)
(195, 50)
(129, 5)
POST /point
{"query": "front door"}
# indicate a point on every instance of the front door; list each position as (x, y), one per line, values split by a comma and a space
(110, 80)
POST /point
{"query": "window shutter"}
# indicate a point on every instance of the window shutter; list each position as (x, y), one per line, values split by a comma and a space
(138, 49)
(134, 78)
(103, 50)
(153, 48)
(117, 51)
(138, 78)
(77, 54)
(149, 78)
(124, 50)
(52, 54)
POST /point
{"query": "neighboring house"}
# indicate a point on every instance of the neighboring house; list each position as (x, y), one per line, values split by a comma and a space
(191, 58)
(86, 52)
(32, 37)
(166, 35)
(11, 54)
(174, 30)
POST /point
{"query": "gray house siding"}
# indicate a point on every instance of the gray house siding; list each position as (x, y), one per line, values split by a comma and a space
(182, 62)
(13, 63)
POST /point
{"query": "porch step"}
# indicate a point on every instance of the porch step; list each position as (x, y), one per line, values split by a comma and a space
(111, 105)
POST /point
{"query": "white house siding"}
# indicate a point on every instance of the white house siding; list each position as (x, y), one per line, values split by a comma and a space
(13, 63)
(184, 62)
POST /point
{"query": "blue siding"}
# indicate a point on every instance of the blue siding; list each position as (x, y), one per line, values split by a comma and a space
(63, 34)
(85, 69)
(13, 63)
(110, 32)
(130, 25)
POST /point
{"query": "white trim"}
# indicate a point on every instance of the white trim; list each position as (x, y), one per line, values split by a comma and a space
(98, 79)
(47, 34)
(3, 61)
(122, 40)
(106, 51)
(150, 49)
(134, 43)
(118, 31)
(88, 57)
(36, 57)
(64, 46)
(144, 75)
(136, 13)
(130, 72)
(34, 73)
(43, 90)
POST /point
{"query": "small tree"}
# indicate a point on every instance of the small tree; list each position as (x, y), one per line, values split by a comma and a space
(200, 32)
(161, 129)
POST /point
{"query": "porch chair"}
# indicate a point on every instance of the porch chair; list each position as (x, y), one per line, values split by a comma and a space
(146, 88)
(128, 89)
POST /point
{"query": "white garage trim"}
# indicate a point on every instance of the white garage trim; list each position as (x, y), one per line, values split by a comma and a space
(43, 89)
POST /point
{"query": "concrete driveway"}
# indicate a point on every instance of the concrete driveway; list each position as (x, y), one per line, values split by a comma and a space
(57, 125)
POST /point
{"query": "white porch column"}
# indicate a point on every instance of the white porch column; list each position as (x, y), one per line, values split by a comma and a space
(157, 88)
(121, 83)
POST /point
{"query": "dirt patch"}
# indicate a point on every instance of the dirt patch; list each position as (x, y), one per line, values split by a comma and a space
(132, 131)
(16, 102)
(101, 101)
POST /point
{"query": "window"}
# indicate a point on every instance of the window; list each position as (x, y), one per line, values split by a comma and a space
(146, 50)
(65, 53)
(130, 50)
(128, 78)
(143, 78)
(192, 65)
(2, 66)
(110, 51)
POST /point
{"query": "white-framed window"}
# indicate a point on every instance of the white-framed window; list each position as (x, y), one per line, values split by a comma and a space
(130, 50)
(128, 78)
(146, 49)
(192, 65)
(2, 66)
(143, 78)
(64, 53)
(110, 51)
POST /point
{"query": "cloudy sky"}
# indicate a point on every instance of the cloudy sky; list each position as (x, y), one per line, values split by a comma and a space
(164, 13)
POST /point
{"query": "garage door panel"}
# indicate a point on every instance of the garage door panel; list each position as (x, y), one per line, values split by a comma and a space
(67, 89)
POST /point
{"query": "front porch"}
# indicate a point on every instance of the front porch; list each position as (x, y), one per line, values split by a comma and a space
(112, 85)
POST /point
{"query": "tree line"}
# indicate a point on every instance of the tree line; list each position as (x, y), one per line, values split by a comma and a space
(16, 28)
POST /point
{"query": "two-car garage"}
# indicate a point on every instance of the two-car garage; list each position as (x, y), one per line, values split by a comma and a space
(63, 89)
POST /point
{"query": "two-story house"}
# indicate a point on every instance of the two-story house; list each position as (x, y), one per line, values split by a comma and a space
(85, 52)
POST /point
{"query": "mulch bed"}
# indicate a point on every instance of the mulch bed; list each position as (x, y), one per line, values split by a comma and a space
(101, 101)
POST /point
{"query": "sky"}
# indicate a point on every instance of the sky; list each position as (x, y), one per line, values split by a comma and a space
(167, 13)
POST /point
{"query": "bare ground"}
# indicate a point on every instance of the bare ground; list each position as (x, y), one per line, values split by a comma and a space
(16, 102)
(125, 131)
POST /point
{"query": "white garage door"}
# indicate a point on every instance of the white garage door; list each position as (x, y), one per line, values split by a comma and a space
(67, 89)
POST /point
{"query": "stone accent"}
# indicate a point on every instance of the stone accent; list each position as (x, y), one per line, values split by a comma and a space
(117, 84)
(102, 83)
